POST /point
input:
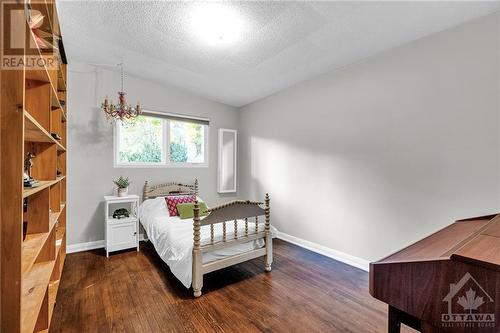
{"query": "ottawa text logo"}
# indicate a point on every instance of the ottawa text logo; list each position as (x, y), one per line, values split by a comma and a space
(468, 305)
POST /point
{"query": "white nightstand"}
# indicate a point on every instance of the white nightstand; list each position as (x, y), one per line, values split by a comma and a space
(121, 233)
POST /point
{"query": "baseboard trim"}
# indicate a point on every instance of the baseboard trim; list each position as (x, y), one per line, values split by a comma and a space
(326, 251)
(80, 247)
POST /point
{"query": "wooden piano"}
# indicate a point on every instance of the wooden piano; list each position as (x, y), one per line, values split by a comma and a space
(447, 282)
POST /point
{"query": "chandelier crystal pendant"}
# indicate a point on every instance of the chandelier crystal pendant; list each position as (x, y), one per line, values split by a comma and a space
(121, 111)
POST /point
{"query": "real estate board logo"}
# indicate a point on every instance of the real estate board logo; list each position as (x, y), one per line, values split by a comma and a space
(468, 305)
(27, 41)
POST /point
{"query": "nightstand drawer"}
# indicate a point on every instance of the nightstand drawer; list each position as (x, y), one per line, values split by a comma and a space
(122, 236)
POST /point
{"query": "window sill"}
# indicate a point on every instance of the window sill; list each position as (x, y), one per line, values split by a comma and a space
(160, 166)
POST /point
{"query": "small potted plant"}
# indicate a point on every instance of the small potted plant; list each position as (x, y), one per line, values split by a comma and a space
(122, 184)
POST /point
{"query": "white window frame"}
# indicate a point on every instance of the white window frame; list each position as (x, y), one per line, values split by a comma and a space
(165, 163)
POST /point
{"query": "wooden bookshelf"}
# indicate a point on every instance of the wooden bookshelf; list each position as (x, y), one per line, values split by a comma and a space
(33, 119)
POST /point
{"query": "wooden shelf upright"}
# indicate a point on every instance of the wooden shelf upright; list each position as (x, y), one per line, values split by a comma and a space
(33, 220)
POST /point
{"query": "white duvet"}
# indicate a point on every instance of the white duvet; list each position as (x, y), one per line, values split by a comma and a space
(173, 238)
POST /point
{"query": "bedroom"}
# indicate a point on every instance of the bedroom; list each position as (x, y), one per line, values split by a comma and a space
(335, 134)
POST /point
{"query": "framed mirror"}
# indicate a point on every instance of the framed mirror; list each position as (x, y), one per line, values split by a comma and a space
(228, 153)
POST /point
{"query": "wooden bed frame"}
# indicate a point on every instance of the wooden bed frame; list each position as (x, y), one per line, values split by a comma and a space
(228, 212)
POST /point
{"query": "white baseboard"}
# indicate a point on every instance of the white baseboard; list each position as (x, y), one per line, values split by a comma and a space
(80, 247)
(326, 251)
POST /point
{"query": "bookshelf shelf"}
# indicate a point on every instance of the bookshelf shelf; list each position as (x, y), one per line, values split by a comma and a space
(43, 185)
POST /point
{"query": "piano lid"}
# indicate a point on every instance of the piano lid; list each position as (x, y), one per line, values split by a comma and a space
(445, 243)
(484, 248)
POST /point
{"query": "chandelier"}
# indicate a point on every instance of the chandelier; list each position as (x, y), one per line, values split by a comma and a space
(121, 111)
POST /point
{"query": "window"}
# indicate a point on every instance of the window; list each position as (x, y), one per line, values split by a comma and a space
(160, 141)
(186, 142)
(141, 142)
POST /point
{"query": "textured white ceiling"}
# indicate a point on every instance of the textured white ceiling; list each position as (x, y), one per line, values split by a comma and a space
(282, 43)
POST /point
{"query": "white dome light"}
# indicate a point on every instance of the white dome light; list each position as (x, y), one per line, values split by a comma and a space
(216, 23)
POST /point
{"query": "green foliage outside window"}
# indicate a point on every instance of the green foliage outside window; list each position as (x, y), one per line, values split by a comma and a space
(178, 152)
(141, 141)
(186, 142)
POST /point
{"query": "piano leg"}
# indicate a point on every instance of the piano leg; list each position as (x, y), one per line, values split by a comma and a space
(398, 317)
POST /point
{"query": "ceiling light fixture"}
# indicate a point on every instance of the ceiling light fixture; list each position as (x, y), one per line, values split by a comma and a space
(216, 23)
(121, 111)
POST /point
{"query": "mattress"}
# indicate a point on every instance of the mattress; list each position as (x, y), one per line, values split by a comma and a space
(172, 238)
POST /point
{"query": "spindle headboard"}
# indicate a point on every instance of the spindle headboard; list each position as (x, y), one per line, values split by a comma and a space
(160, 190)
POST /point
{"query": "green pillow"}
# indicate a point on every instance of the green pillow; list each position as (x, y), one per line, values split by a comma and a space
(186, 210)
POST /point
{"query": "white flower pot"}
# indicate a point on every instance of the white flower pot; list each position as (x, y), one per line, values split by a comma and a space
(122, 192)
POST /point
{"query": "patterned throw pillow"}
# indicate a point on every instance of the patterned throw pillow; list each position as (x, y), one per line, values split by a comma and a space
(174, 200)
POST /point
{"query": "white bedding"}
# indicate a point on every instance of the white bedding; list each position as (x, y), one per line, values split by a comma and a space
(173, 238)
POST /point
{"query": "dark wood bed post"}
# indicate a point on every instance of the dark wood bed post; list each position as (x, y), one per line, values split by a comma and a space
(196, 187)
(269, 239)
(197, 269)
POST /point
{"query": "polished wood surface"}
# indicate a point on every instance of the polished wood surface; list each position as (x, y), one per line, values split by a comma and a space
(426, 279)
(439, 244)
(135, 292)
(484, 249)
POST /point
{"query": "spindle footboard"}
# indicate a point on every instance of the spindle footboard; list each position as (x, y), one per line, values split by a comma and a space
(232, 212)
(239, 211)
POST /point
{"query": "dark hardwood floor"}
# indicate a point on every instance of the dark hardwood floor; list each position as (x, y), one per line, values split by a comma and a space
(135, 292)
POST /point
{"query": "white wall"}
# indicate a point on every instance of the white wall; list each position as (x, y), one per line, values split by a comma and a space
(370, 158)
(90, 143)
(363, 160)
